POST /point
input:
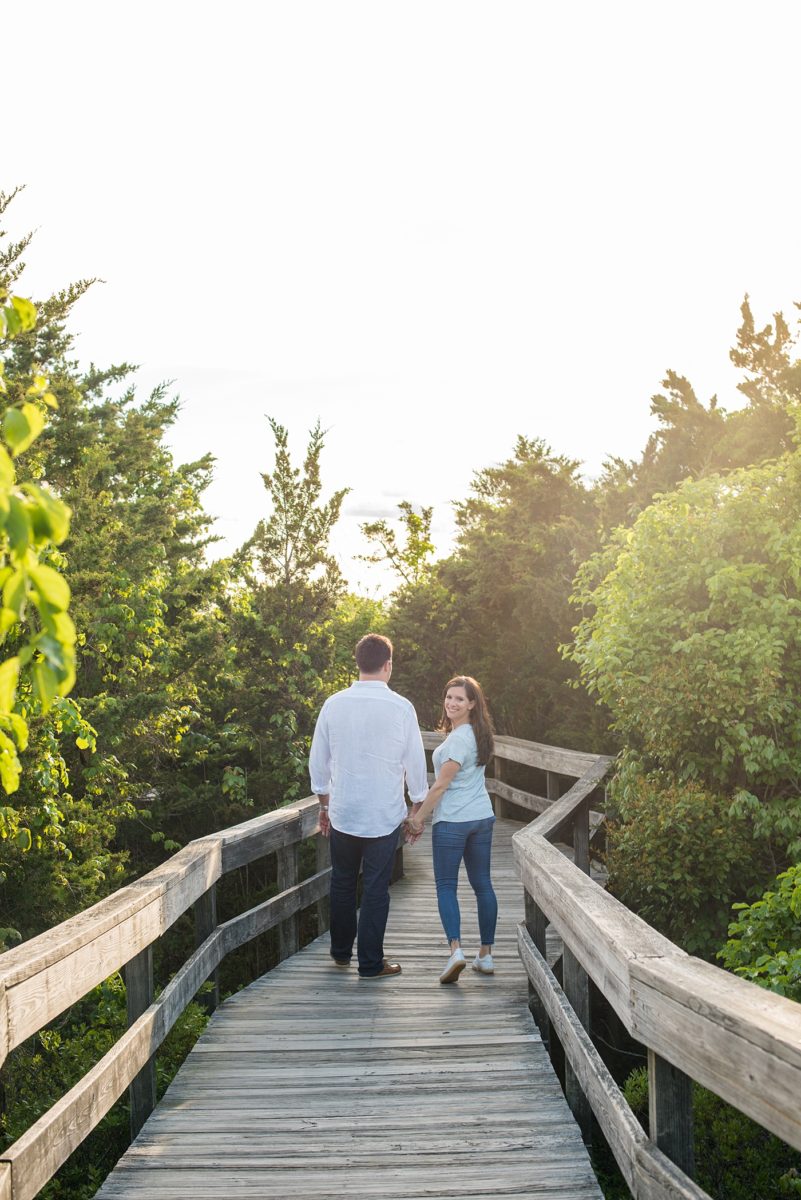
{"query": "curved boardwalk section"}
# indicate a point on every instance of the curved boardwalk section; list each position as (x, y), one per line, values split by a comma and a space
(314, 1083)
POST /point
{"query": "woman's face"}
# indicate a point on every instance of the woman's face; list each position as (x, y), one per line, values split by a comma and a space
(457, 706)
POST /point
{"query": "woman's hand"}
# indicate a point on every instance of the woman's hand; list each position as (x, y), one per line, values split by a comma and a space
(415, 826)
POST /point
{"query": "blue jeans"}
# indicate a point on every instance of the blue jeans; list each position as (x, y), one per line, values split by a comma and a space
(375, 856)
(453, 841)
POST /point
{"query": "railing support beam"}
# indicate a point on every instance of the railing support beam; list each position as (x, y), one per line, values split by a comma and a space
(138, 976)
(670, 1112)
(288, 930)
(576, 987)
(536, 925)
(205, 911)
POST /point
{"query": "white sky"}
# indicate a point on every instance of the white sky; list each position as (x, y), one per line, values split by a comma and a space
(433, 225)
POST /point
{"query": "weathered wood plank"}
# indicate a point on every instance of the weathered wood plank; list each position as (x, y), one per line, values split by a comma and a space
(737, 1039)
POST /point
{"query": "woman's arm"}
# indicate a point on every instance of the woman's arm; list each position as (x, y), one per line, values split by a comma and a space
(447, 773)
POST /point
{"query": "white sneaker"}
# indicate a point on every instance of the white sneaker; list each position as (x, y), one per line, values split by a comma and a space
(454, 967)
(484, 965)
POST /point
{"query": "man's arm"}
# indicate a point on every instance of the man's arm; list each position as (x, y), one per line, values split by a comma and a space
(320, 769)
(414, 760)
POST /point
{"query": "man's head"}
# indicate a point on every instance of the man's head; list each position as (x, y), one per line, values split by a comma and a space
(374, 656)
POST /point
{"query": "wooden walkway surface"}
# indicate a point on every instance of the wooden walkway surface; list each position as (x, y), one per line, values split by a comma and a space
(314, 1083)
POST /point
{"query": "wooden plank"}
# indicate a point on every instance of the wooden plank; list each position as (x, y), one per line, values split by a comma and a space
(739, 1040)
(555, 822)
(670, 1112)
(533, 754)
(288, 930)
(205, 912)
(263, 835)
(139, 997)
(255, 921)
(649, 1174)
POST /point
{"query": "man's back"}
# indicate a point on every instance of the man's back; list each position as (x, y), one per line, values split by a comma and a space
(365, 743)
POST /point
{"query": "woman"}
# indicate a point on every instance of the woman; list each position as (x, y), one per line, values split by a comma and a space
(463, 820)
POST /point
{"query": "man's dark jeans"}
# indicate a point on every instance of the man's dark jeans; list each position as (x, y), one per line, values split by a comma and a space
(375, 856)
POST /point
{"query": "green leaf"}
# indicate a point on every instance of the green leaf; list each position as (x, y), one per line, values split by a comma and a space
(7, 475)
(14, 592)
(26, 313)
(51, 586)
(9, 677)
(50, 517)
(16, 430)
(22, 838)
(45, 685)
(18, 526)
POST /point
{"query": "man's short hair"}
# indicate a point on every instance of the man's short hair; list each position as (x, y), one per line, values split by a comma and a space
(372, 651)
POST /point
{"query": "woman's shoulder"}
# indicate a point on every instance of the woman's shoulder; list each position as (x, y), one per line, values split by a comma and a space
(464, 736)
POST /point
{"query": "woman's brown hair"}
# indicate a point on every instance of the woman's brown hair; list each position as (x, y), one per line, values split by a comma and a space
(480, 718)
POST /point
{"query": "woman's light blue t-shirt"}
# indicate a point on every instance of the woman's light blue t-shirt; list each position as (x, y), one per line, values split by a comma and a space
(467, 798)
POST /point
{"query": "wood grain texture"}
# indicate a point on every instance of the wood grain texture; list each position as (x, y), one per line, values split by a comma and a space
(315, 1083)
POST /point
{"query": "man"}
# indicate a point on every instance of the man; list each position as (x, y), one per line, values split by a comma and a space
(365, 743)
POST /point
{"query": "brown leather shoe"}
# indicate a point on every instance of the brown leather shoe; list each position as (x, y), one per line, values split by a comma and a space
(341, 962)
(388, 969)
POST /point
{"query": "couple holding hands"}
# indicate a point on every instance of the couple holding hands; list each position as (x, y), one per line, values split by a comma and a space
(366, 744)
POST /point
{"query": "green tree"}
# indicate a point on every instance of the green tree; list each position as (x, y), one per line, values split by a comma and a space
(281, 622)
(411, 560)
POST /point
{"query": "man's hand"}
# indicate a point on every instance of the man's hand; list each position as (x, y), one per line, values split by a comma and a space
(410, 834)
(325, 822)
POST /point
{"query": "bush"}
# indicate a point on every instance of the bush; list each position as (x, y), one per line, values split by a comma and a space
(677, 858)
(765, 942)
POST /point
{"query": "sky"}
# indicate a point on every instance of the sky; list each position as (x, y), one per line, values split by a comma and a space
(432, 226)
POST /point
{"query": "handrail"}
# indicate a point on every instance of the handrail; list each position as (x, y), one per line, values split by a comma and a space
(696, 1020)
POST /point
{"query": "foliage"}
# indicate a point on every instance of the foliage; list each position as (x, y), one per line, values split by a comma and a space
(676, 858)
(411, 561)
(498, 607)
(734, 1157)
(35, 597)
(765, 940)
(281, 623)
(693, 440)
(691, 637)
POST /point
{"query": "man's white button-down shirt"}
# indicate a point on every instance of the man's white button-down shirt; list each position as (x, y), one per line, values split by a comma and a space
(366, 742)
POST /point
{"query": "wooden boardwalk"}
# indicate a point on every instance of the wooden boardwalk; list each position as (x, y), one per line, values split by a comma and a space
(314, 1083)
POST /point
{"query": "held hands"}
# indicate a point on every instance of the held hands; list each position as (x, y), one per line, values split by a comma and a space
(413, 826)
(325, 822)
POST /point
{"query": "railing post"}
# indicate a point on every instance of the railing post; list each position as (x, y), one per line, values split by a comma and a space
(323, 852)
(288, 930)
(205, 911)
(576, 983)
(581, 837)
(670, 1112)
(552, 785)
(536, 926)
(499, 772)
(138, 976)
(577, 989)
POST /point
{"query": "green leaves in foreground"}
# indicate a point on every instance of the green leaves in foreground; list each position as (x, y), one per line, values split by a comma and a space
(34, 597)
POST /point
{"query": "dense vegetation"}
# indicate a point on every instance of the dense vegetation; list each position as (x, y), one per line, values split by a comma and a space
(150, 694)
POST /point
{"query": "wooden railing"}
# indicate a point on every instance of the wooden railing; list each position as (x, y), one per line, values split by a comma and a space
(40, 979)
(696, 1021)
